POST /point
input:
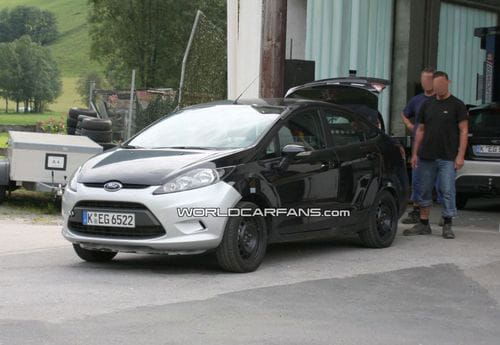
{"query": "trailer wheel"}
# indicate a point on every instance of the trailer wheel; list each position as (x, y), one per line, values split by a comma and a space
(3, 193)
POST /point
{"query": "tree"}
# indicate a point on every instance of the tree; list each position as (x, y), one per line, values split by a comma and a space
(40, 25)
(28, 74)
(83, 84)
(147, 35)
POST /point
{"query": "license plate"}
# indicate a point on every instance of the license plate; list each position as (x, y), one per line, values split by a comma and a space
(120, 220)
(487, 148)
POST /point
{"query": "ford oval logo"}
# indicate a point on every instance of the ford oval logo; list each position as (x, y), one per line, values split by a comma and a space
(113, 186)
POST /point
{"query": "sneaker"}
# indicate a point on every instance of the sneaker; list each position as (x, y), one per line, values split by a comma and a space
(418, 229)
(447, 232)
(441, 222)
(413, 217)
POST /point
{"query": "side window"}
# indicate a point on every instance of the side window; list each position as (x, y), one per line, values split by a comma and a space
(304, 129)
(271, 150)
(344, 129)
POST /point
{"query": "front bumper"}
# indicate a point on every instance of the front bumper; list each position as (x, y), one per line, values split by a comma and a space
(182, 235)
(479, 178)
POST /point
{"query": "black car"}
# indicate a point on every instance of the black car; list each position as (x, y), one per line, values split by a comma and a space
(302, 169)
(480, 175)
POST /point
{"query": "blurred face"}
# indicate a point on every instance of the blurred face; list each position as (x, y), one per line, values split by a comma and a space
(426, 81)
(441, 86)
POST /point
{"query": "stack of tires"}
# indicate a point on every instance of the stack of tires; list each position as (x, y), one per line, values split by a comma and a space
(72, 121)
(86, 122)
(99, 130)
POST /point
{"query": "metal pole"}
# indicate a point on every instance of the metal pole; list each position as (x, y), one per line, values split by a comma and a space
(91, 91)
(186, 54)
(130, 107)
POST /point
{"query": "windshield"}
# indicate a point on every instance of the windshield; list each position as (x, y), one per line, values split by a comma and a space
(486, 122)
(215, 127)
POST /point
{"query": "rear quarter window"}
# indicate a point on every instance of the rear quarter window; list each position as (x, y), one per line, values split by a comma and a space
(485, 122)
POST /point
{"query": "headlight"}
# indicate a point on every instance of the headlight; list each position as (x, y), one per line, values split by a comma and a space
(72, 185)
(192, 179)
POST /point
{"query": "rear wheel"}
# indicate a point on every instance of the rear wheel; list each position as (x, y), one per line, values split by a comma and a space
(93, 255)
(461, 200)
(383, 222)
(244, 243)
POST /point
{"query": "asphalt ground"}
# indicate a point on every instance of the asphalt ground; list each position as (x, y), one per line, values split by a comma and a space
(422, 290)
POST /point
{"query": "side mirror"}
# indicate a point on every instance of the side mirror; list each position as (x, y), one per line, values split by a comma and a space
(292, 150)
(289, 152)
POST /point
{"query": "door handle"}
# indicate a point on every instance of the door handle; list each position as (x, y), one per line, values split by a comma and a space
(371, 156)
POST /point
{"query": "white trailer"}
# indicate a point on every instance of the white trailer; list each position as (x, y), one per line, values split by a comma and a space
(43, 162)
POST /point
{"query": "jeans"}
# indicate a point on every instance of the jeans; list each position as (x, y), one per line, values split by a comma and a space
(416, 185)
(429, 171)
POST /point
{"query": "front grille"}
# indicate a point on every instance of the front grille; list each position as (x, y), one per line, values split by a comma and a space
(105, 231)
(111, 204)
(124, 185)
(147, 225)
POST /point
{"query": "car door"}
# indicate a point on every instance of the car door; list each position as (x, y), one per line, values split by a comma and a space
(309, 180)
(359, 158)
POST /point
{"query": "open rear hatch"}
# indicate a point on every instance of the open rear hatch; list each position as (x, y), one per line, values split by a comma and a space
(354, 92)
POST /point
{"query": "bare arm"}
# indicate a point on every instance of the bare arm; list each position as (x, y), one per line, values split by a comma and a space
(418, 140)
(464, 133)
(407, 122)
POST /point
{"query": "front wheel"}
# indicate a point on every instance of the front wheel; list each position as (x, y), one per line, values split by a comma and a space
(461, 200)
(93, 255)
(383, 222)
(244, 243)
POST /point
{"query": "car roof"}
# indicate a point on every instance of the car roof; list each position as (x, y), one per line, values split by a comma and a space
(281, 104)
(487, 106)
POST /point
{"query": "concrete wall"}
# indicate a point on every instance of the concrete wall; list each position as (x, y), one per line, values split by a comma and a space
(244, 24)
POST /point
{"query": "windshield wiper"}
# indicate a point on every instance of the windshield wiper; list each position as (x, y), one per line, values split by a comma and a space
(131, 147)
(186, 147)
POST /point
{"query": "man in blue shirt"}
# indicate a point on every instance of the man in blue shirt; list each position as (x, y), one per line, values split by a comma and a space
(410, 119)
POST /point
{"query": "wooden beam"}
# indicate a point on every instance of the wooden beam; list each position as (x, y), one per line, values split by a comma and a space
(273, 49)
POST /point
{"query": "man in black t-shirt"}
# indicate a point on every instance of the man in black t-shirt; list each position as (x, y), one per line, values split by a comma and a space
(440, 144)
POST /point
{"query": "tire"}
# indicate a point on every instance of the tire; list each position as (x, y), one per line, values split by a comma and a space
(3, 193)
(70, 122)
(97, 136)
(80, 120)
(107, 146)
(383, 222)
(71, 130)
(238, 253)
(74, 112)
(93, 255)
(461, 200)
(96, 124)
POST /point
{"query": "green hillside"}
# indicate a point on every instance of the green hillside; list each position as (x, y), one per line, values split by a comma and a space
(72, 49)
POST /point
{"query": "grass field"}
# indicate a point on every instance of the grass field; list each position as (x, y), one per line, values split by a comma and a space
(3, 139)
(36, 204)
(72, 48)
(27, 119)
